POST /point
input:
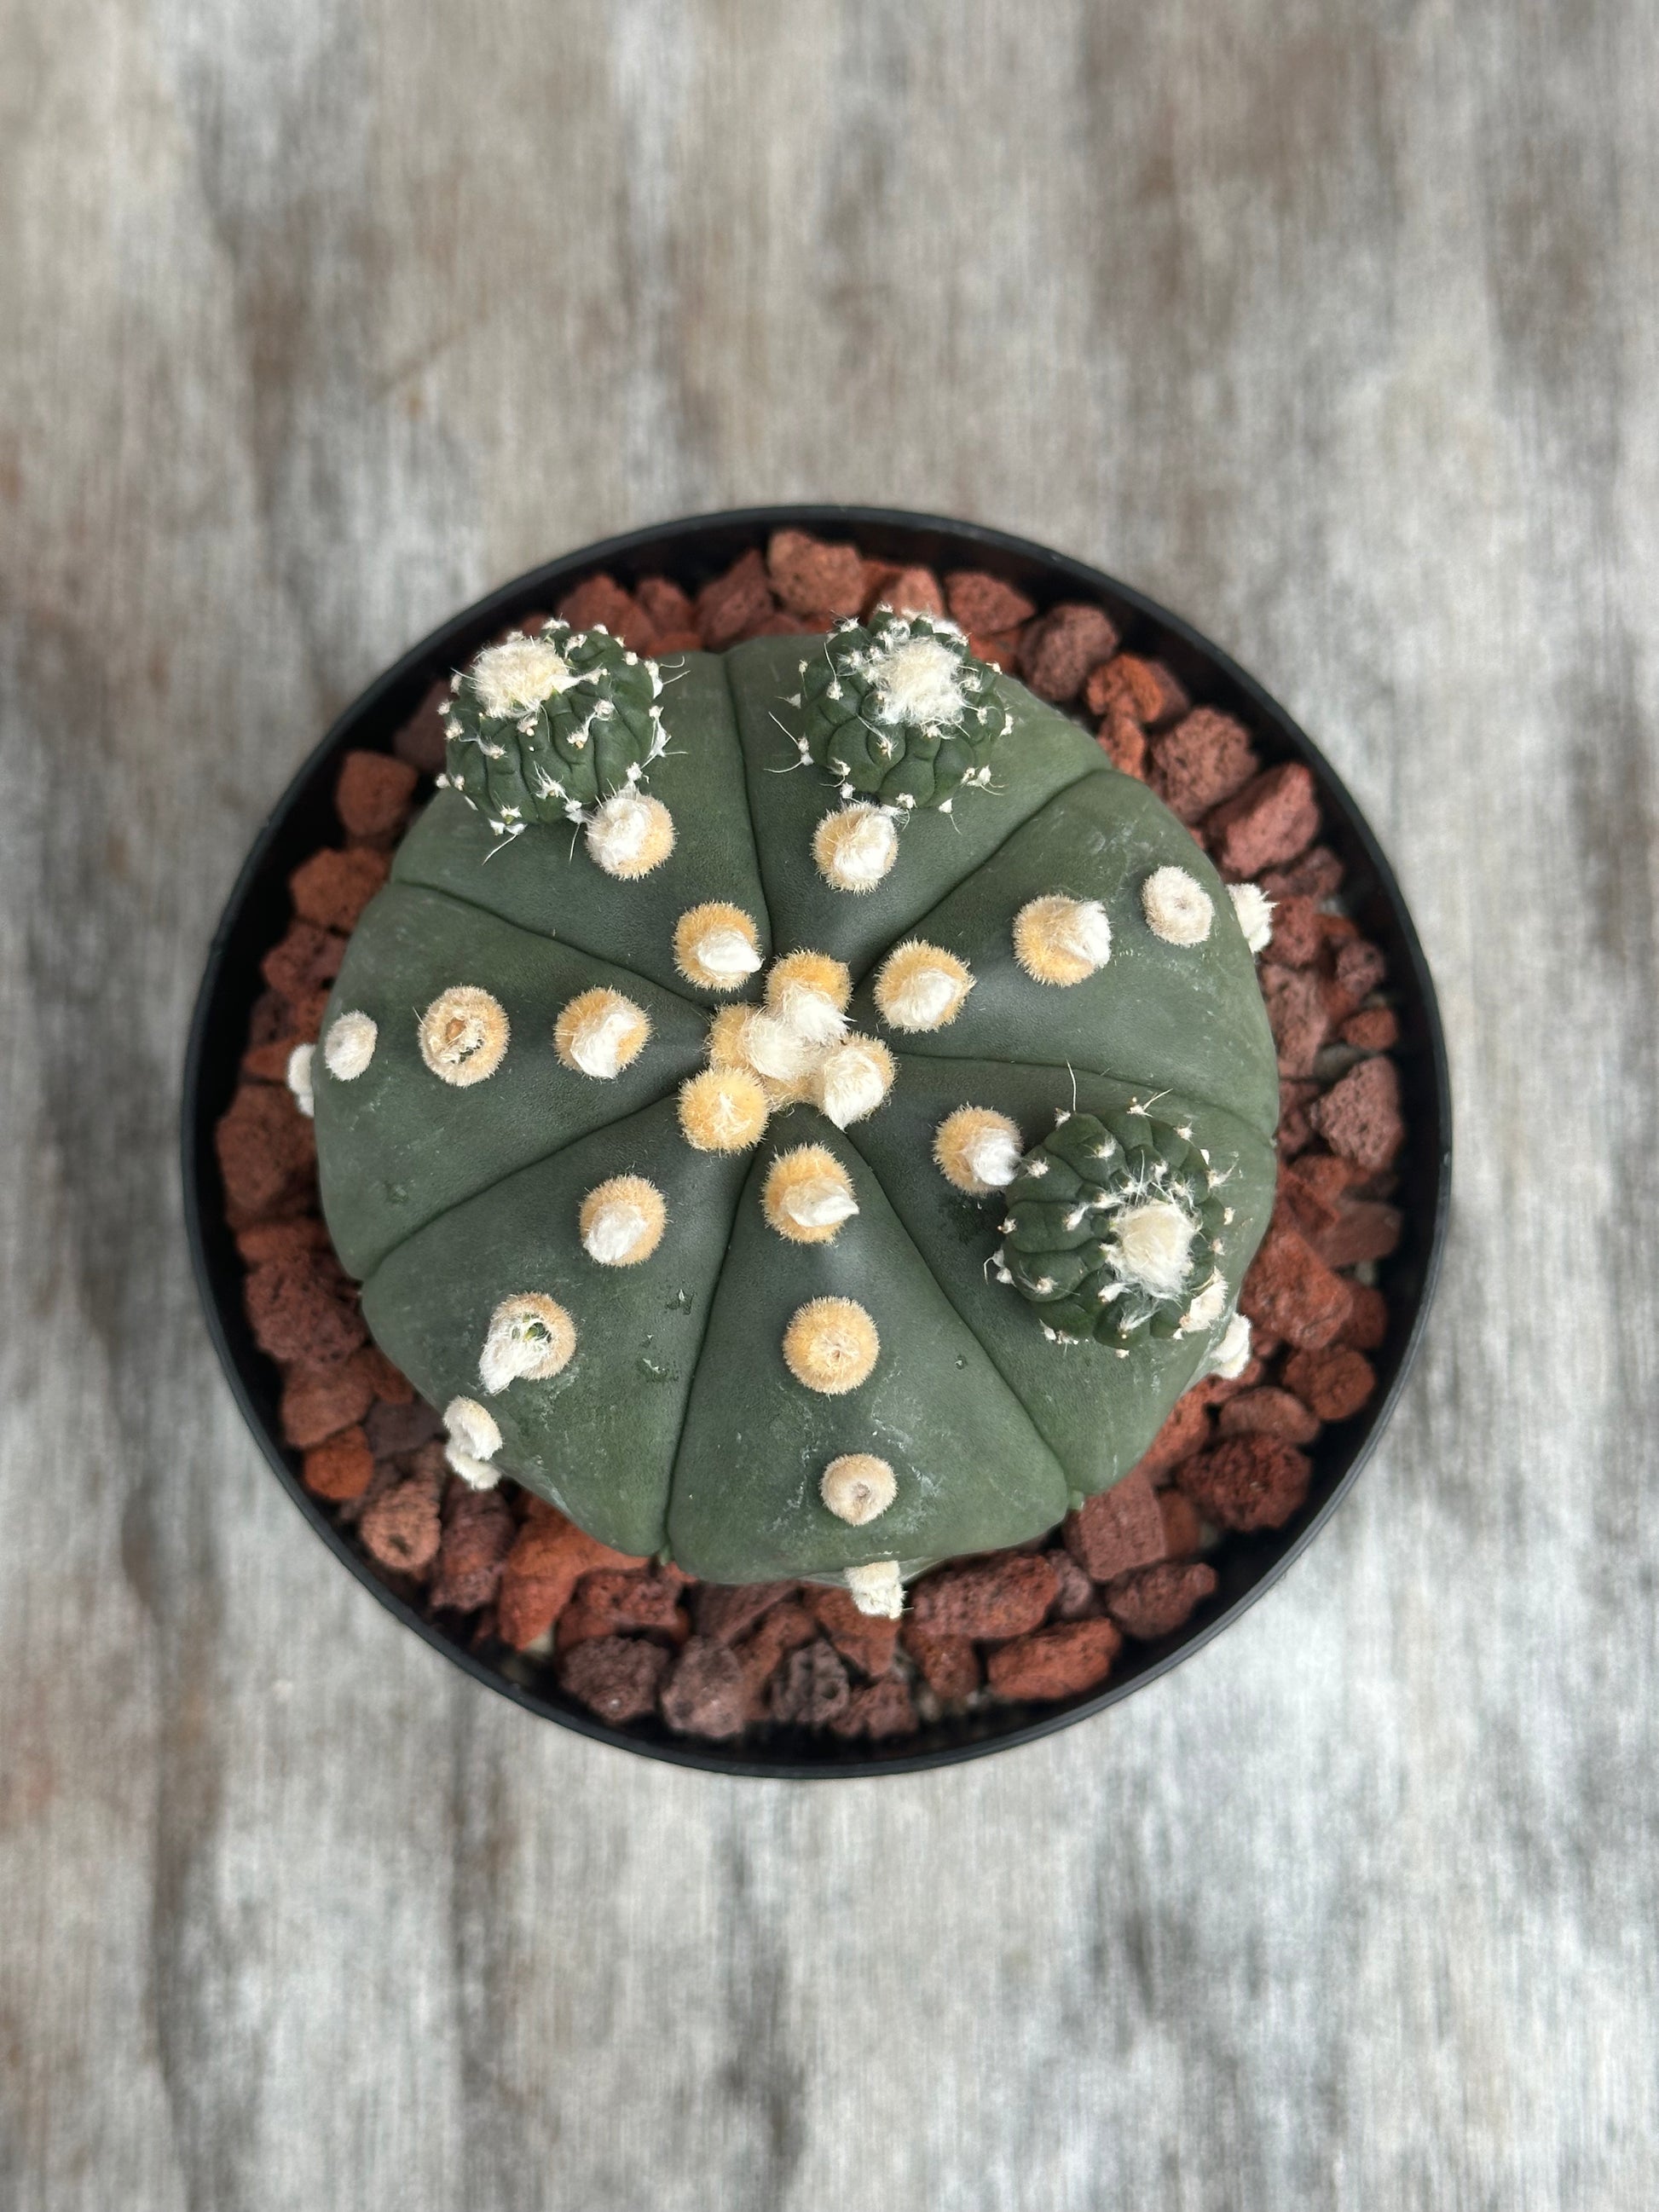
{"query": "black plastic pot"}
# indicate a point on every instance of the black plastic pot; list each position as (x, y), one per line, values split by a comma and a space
(691, 552)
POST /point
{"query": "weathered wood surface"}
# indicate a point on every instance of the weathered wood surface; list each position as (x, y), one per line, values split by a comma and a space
(1334, 326)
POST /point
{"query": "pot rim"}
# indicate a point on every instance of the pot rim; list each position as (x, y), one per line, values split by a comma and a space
(672, 548)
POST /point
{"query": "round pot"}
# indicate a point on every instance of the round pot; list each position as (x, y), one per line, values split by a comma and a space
(691, 552)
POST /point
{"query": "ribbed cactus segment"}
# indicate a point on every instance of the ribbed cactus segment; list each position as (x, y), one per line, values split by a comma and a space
(1113, 1230)
(546, 728)
(898, 710)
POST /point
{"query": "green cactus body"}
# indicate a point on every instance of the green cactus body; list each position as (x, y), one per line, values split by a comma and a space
(898, 710)
(660, 1181)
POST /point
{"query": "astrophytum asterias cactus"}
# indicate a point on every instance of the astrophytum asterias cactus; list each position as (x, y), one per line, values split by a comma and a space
(775, 1170)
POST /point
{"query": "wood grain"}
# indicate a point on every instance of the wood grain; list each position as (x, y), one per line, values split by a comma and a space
(1335, 328)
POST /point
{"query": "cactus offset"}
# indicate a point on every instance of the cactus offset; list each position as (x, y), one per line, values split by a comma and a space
(795, 1194)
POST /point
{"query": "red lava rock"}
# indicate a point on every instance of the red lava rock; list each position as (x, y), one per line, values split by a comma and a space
(281, 1240)
(1182, 1532)
(600, 602)
(303, 1310)
(341, 1469)
(703, 1693)
(1120, 1529)
(617, 1677)
(880, 1710)
(1156, 1601)
(373, 793)
(267, 1153)
(1375, 1029)
(984, 605)
(1055, 1662)
(394, 1429)
(729, 607)
(1360, 968)
(907, 591)
(1268, 823)
(332, 888)
(1060, 649)
(1002, 1596)
(815, 578)
(868, 1642)
(389, 1383)
(1367, 1325)
(1270, 1412)
(1290, 1291)
(1295, 1130)
(1335, 1383)
(1327, 1177)
(1185, 1430)
(402, 1528)
(1317, 875)
(1144, 691)
(665, 607)
(1125, 745)
(784, 1629)
(1247, 1482)
(1297, 939)
(1303, 1206)
(1296, 1015)
(728, 1611)
(1364, 1230)
(305, 961)
(420, 744)
(810, 1688)
(948, 1664)
(1359, 1116)
(268, 1063)
(1001, 648)
(677, 641)
(549, 1558)
(1074, 1594)
(479, 1532)
(1203, 760)
(610, 1601)
(316, 1404)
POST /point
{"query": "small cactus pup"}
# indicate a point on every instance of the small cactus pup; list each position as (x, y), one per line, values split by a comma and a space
(795, 1194)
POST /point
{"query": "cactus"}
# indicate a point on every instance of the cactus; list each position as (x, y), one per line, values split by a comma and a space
(790, 1176)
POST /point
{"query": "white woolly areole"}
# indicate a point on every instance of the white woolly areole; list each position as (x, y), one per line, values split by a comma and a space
(519, 674)
(531, 1336)
(858, 1487)
(1207, 1307)
(725, 951)
(1086, 931)
(853, 1081)
(299, 1078)
(918, 681)
(922, 1000)
(777, 1048)
(811, 1014)
(1232, 1355)
(1151, 1245)
(877, 1590)
(623, 832)
(472, 1428)
(820, 1202)
(855, 848)
(994, 1156)
(349, 1046)
(1176, 907)
(616, 1232)
(1254, 910)
(599, 1045)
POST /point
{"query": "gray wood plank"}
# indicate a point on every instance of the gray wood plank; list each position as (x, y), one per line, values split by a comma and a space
(1334, 328)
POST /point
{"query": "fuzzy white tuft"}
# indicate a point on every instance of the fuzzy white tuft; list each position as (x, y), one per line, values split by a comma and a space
(1151, 1245)
(855, 848)
(1062, 940)
(516, 675)
(977, 1151)
(727, 954)
(1232, 1355)
(776, 1048)
(531, 1337)
(473, 1442)
(621, 1221)
(299, 1078)
(464, 1035)
(1207, 1307)
(853, 1080)
(994, 1156)
(922, 986)
(918, 681)
(878, 1588)
(1254, 910)
(820, 1202)
(631, 835)
(599, 1043)
(858, 1487)
(1178, 908)
(349, 1046)
(811, 1014)
(716, 946)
